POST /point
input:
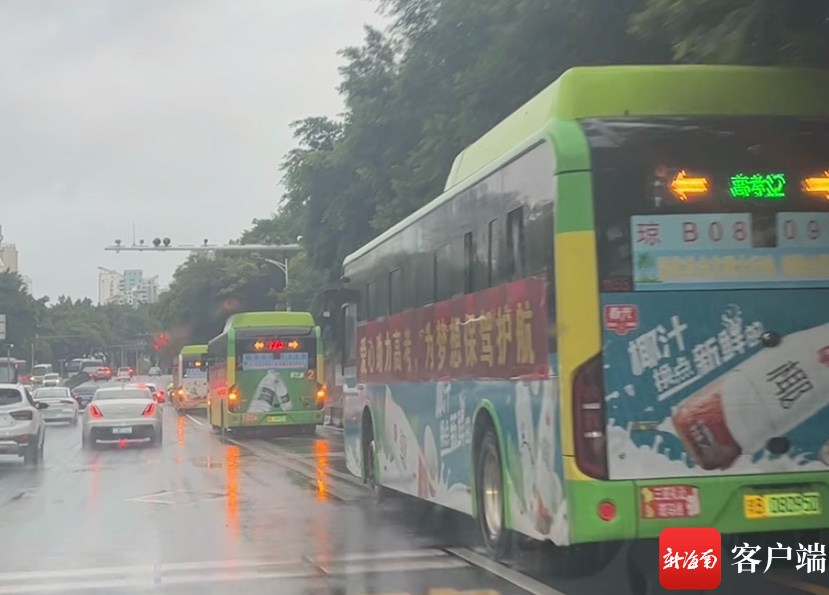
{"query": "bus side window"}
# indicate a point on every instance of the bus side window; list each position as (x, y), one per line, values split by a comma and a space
(349, 312)
(371, 307)
(468, 263)
(395, 298)
(515, 244)
(492, 253)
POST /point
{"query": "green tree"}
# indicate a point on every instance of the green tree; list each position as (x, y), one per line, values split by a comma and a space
(22, 312)
(205, 291)
(757, 32)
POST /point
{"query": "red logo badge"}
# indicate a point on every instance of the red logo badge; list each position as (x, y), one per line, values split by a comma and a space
(690, 558)
(621, 318)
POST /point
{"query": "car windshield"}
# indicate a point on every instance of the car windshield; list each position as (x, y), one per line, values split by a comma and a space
(113, 395)
(52, 376)
(50, 393)
(10, 396)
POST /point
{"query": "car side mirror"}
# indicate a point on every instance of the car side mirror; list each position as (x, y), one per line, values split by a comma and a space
(42, 405)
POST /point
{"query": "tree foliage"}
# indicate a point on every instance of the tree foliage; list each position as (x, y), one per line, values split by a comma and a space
(435, 80)
(67, 328)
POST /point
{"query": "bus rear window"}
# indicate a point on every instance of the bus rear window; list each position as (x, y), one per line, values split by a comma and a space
(194, 367)
(277, 352)
(710, 203)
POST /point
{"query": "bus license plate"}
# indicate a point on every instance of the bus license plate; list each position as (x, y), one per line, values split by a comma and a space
(768, 506)
(122, 430)
(276, 419)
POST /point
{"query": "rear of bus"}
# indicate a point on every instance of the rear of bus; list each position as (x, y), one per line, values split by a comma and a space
(708, 404)
(278, 379)
(192, 390)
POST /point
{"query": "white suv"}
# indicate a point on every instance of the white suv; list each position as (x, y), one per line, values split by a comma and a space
(22, 430)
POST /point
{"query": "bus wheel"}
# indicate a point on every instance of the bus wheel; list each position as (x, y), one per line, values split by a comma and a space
(379, 493)
(489, 482)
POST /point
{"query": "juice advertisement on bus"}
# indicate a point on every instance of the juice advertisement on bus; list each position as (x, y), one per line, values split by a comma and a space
(727, 373)
(276, 374)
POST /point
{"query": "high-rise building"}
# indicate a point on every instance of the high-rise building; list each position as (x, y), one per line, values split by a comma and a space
(109, 285)
(132, 278)
(128, 288)
(9, 257)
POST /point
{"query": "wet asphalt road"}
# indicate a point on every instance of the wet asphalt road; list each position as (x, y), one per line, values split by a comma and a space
(277, 516)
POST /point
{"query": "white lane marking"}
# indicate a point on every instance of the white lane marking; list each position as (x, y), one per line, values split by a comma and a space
(193, 419)
(380, 567)
(149, 576)
(366, 556)
(331, 429)
(522, 581)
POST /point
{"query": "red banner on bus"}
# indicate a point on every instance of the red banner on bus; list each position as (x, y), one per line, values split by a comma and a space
(499, 332)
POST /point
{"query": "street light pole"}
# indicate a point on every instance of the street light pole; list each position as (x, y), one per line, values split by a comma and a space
(282, 266)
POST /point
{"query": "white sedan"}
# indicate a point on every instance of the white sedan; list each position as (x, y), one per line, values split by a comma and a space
(62, 405)
(121, 415)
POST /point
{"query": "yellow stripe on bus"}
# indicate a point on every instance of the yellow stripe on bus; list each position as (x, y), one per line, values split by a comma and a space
(578, 330)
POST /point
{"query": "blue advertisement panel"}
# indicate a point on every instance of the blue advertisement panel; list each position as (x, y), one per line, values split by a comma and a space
(725, 251)
(716, 382)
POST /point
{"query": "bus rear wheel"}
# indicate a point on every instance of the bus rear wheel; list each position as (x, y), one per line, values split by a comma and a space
(489, 483)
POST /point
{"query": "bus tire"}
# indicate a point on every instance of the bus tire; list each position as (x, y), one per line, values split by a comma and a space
(369, 452)
(489, 488)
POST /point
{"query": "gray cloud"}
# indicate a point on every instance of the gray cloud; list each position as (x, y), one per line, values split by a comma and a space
(170, 114)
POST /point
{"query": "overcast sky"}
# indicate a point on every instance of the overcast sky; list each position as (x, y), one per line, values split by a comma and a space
(170, 114)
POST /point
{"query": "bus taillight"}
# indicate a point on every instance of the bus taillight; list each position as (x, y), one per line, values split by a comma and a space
(232, 399)
(321, 394)
(589, 419)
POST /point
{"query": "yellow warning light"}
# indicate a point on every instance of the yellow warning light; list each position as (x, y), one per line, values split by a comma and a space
(293, 344)
(682, 186)
(259, 345)
(817, 185)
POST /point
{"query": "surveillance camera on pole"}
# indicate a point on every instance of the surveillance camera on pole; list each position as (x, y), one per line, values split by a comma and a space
(166, 242)
(157, 242)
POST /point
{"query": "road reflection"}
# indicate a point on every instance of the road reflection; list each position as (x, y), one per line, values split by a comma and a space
(232, 480)
(181, 423)
(321, 455)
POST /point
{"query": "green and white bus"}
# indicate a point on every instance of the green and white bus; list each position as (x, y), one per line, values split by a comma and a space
(266, 371)
(613, 320)
(190, 379)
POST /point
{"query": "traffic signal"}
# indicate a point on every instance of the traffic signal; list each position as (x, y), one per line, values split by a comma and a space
(160, 341)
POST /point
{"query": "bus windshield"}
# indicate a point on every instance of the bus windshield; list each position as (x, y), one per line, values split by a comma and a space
(293, 349)
(712, 202)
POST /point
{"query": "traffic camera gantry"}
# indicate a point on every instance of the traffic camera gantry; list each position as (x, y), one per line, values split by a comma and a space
(164, 245)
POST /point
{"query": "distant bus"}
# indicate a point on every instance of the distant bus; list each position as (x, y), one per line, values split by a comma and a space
(265, 372)
(79, 364)
(74, 366)
(9, 371)
(39, 371)
(190, 379)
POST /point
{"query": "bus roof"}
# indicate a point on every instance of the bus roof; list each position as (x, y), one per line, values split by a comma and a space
(193, 350)
(636, 91)
(269, 319)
